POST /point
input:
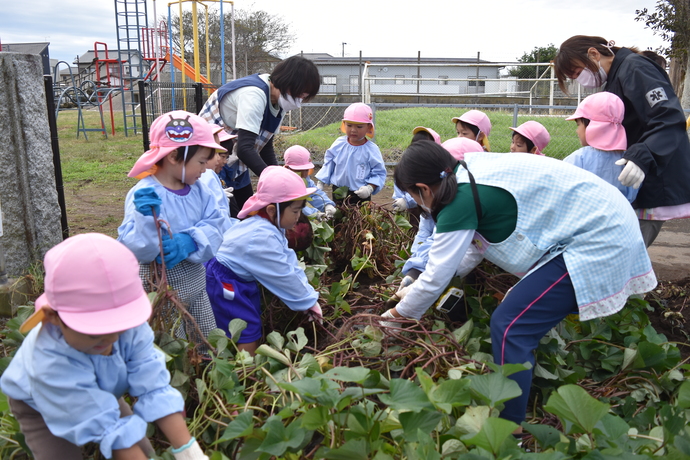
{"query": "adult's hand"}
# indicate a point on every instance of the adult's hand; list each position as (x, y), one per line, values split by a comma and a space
(632, 175)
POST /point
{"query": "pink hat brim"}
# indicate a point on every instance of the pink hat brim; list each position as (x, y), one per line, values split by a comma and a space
(303, 167)
(255, 204)
(434, 134)
(155, 154)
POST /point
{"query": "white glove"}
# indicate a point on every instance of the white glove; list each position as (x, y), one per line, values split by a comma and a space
(329, 210)
(406, 281)
(632, 175)
(190, 451)
(388, 314)
(364, 191)
(399, 204)
(315, 313)
(404, 291)
(318, 215)
(232, 158)
(319, 185)
(228, 192)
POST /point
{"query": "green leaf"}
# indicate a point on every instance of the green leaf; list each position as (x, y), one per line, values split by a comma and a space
(683, 398)
(451, 393)
(236, 327)
(201, 389)
(314, 418)
(269, 352)
(279, 438)
(348, 374)
(629, 356)
(354, 449)
(243, 425)
(574, 404)
(493, 433)
(494, 388)
(472, 420)
(275, 340)
(425, 420)
(309, 387)
(463, 333)
(405, 396)
(297, 340)
(546, 435)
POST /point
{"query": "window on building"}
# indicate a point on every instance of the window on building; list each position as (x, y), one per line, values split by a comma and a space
(400, 79)
(328, 79)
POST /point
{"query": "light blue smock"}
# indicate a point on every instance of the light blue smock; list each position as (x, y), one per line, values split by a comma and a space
(256, 250)
(347, 165)
(421, 245)
(195, 213)
(212, 181)
(397, 193)
(77, 393)
(602, 163)
(317, 201)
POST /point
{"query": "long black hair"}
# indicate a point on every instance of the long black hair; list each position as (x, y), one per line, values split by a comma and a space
(428, 163)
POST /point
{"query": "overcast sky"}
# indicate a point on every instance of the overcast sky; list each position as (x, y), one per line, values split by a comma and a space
(501, 30)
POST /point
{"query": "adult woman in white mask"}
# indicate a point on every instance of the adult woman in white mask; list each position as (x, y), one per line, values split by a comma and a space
(253, 108)
(658, 156)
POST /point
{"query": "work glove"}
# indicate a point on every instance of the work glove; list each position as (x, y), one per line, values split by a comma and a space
(632, 175)
(315, 313)
(329, 211)
(401, 293)
(228, 192)
(190, 451)
(400, 204)
(319, 185)
(146, 200)
(232, 158)
(318, 215)
(388, 314)
(176, 249)
(406, 281)
(364, 191)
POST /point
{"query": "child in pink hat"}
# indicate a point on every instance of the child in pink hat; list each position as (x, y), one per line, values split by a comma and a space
(474, 125)
(256, 250)
(353, 161)
(89, 344)
(214, 183)
(182, 143)
(599, 119)
(298, 160)
(529, 137)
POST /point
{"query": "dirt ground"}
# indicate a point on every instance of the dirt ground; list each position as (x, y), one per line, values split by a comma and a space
(91, 208)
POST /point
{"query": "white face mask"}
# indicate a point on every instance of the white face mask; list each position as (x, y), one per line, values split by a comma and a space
(288, 102)
(588, 79)
(423, 205)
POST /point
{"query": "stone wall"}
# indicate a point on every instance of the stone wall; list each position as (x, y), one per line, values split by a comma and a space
(31, 214)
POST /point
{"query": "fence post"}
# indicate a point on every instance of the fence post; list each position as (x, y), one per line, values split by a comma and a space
(144, 114)
(55, 146)
(3, 272)
(515, 115)
(198, 90)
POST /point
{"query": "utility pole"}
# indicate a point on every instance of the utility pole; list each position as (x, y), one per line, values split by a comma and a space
(344, 48)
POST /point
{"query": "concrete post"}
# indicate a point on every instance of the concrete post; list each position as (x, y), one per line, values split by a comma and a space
(30, 207)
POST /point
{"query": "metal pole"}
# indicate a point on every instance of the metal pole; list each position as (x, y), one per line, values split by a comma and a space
(344, 49)
(419, 72)
(232, 26)
(222, 44)
(52, 123)
(144, 115)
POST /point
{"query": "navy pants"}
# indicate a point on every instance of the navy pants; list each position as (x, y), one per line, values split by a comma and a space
(532, 307)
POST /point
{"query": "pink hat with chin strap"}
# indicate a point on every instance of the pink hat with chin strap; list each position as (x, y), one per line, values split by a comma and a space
(276, 185)
(92, 281)
(359, 113)
(535, 132)
(476, 118)
(459, 146)
(298, 158)
(605, 113)
(169, 132)
(433, 133)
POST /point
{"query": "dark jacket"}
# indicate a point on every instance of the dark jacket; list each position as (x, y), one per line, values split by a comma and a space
(654, 123)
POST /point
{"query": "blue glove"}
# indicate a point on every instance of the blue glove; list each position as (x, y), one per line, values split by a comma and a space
(146, 200)
(176, 249)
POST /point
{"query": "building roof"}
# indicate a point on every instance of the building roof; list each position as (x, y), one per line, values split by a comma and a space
(26, 48)
(325, 58)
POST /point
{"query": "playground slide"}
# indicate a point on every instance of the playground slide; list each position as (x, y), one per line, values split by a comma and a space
(186, 68)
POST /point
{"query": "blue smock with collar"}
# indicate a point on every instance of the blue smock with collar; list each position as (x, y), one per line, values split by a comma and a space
(256, 250)
(195, 213)
(317, 201)
(353, 166)
(603, 164)
(421, 245)
(77, 393)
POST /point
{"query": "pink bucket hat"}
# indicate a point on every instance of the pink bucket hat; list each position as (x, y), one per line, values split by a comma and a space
(297, 158)
(605, 113)
(476, 118)
(433, 133)
(223, 134)
(93, 282)
(535, 132)
(359, 112)
(276, 185)
(459, 146)
(170, 131)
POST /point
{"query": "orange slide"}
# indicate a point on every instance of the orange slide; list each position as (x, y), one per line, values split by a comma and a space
(186, 68)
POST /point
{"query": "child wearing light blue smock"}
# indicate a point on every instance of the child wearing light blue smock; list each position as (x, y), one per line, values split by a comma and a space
(297, 159)
(256, 251)
(353, 161)
(603, 139)
(181, 145)
(89, 346)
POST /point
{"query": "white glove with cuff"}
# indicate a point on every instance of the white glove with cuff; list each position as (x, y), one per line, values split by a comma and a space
(319, 185)
(388, 314)
(329, 210)
(400, 204)
(228, 192)
(632, 175)
(403, 291)
(406, 281)
(190, 451)
(364, 191)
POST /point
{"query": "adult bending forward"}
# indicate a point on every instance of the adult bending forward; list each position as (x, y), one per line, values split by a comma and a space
(570, 236)
(253, 107)
(658, 148)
